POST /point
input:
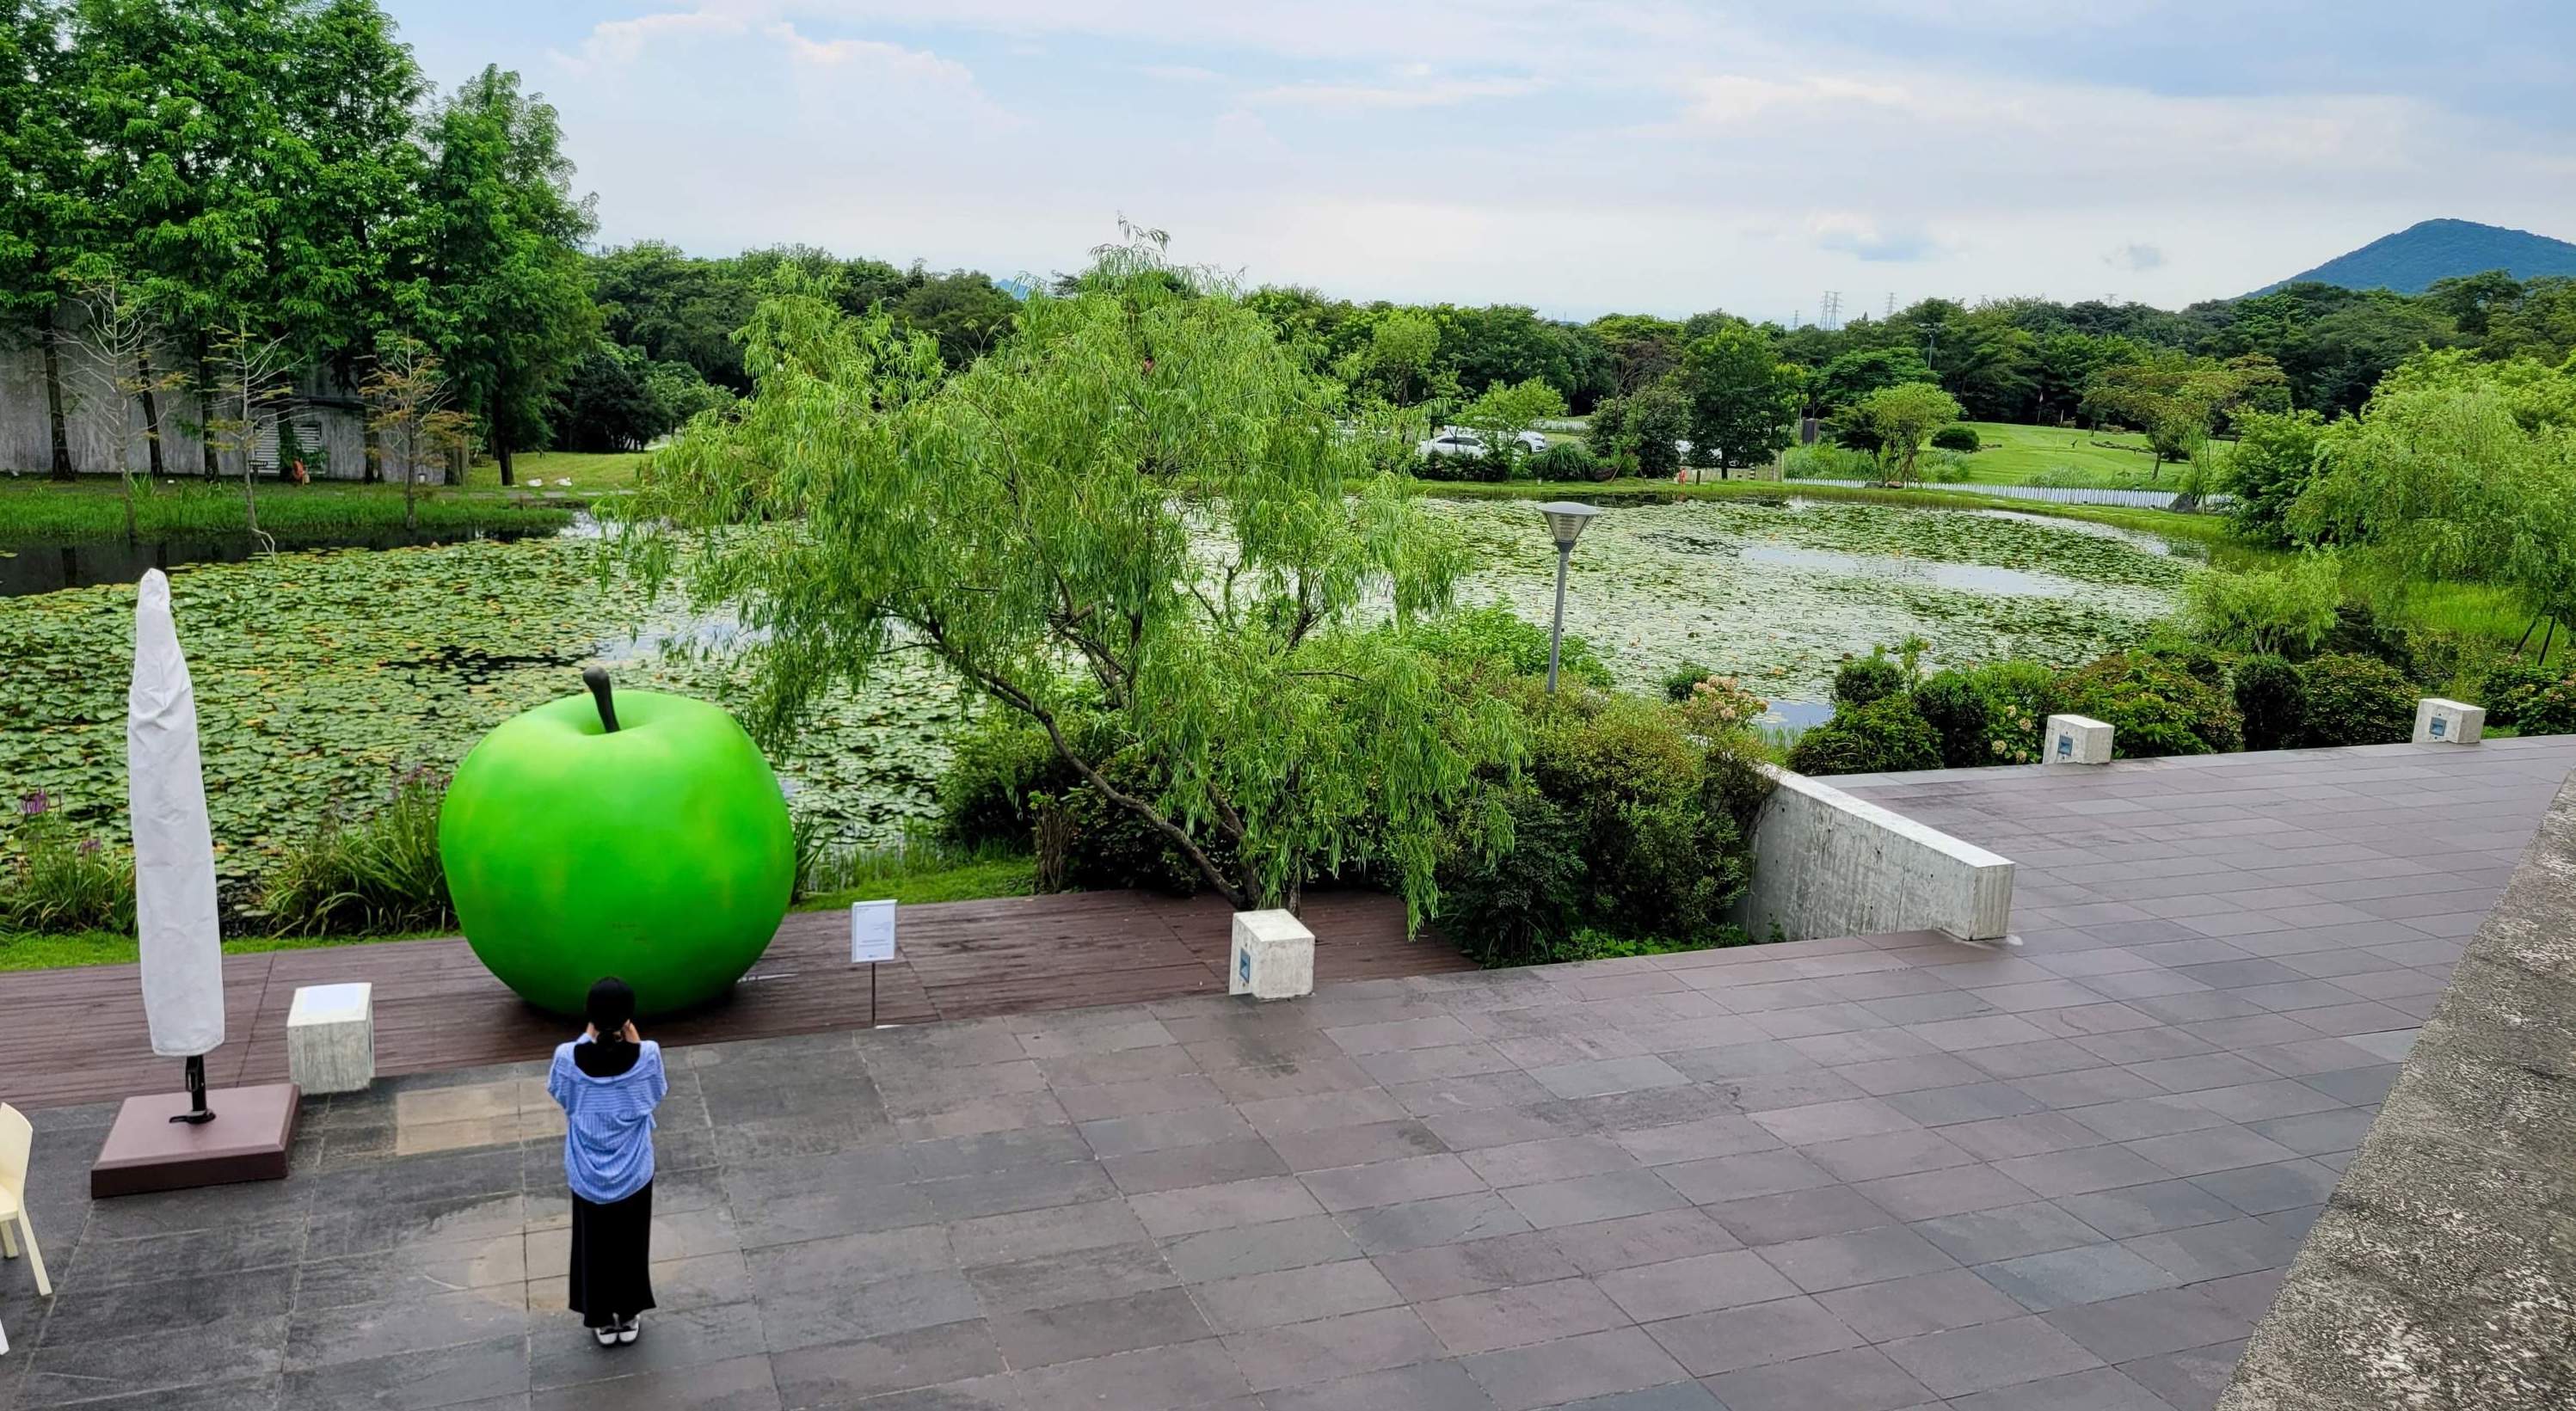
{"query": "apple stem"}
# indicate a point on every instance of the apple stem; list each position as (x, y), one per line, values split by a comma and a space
(596, 679)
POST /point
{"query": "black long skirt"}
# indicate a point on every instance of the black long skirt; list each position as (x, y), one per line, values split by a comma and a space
(612, 1251)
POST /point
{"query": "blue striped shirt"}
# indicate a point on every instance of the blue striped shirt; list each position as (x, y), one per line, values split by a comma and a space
(608, 1123)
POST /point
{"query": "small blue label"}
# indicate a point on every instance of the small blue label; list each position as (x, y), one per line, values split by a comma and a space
(2439, 724)
(1243, 964)
(2065, 747)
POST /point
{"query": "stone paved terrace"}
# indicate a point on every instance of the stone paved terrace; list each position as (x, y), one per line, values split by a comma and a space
(1844, 1175)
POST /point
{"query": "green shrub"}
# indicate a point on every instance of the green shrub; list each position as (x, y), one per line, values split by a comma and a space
(1986, 715)
(2272, 697)
(1879, 736)
(2513, 686)
(1958, 436)
(1486, 469)
(1943, 467)
(377, 875)
(2353, 700)
(2360, 630)
(2286, 612)
(1827, 461)
(1566, 460)
(1862, 680)
(1677, 683)
(2551, 712)
(1626, 829)
(2154, 706)
(1494, 639)
(61, 879)
(1719, 706)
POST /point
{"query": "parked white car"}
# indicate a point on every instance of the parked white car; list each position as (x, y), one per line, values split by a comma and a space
(1461, 441)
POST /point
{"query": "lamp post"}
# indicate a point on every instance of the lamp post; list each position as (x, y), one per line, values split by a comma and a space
(1565, 521)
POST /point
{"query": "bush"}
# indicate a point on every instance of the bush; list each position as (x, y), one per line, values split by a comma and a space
(1986, 715)
(2154, 706)
(2354, 700)
(63, 880)
(1001, 763)
(1567, 460)
(1942, 467)
(1628, 832)
(2284, 612)
(1863, 680)
(1494, 640)
(2359, 630)
(1007, 774)
(2513, 687)
(1483, 470)
(1827, 461)
(2272, 697)
(1677, 683)
(1719, 706)
(2551, 712)
(1958, 436)
(379, 875)
(1883, 735)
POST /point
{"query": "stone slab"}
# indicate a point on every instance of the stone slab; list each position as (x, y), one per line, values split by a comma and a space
(2077, 739)
(1273, 956)
(253, 1130)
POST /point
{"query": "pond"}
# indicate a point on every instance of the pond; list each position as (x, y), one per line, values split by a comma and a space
(323, 675)
(27, 569)
(1777, 594)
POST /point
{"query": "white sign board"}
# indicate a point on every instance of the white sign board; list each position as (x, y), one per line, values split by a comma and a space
(871, 932)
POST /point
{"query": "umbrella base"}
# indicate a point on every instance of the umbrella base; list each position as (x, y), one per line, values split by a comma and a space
(253, 1130)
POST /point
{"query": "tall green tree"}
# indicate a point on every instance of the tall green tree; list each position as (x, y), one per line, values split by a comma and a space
(1030, 523)
(43, 218)
(1903, 416)
(510, 307)
(1743, 399)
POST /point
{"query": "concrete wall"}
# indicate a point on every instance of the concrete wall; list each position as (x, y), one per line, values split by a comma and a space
(1828, 864)
(325, 412)
(2442, 1274)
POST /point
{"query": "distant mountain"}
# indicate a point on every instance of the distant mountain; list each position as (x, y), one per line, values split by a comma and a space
(2413, 258)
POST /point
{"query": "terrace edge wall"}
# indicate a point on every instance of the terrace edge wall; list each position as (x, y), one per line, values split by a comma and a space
(1826, 863)
(2442, 1273)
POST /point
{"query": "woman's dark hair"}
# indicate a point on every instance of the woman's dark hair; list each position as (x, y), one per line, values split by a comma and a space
(610, 1005)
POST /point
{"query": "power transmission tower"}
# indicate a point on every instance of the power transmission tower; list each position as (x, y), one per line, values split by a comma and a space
(1830, 310)
(1891, 303)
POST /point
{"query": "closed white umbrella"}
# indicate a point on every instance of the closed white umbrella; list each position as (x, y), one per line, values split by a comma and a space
(174, 847)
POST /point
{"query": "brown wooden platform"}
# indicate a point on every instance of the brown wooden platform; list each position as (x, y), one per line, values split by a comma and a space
(69, 1036)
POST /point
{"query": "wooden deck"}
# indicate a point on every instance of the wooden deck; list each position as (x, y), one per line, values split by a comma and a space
(69, 1036)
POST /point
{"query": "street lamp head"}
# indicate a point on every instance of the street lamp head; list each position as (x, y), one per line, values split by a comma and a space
(1565, 520)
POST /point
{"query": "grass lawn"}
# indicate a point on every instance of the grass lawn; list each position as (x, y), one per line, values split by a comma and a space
(2012, 455)
(587, 470)
(93, 508)
(966, 881)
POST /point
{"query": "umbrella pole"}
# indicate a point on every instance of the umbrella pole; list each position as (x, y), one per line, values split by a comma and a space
(197, 1110)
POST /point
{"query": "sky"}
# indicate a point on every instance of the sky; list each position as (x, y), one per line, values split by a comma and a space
(1580, 156)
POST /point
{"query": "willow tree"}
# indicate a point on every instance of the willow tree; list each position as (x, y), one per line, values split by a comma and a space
(1130, 512)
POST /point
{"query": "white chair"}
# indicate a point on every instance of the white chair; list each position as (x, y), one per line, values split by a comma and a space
(17, 1140)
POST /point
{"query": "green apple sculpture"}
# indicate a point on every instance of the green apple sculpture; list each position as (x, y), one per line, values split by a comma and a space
(640, 836)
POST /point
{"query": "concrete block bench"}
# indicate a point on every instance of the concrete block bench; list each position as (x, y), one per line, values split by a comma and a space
(2441, 722)
(1273, 956)
(331, 1038)
(2076, 739)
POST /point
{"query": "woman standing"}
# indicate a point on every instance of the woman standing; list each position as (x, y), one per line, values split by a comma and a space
(608, 1082)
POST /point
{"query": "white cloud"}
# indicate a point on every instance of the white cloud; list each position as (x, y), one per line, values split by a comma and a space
(1408, 92)
(1733, 98)
(2135, 258)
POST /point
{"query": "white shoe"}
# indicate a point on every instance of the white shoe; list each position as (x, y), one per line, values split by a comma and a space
(630, 1330)
(607, 1336)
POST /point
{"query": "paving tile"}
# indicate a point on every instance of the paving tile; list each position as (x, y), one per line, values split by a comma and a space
(2062, 1278)
(2261, 1190)
(1725, 1341)
(1416, 1224)
(1210, 1255)
(1886, 1154)
(2148, 1324)
(1721, 1178)
(1951, 1191)
(1859, 1379)
(2076, 1172)
(1178, 1167)
(1331, 1349)
(2190, 1380)
(1585, 1199)
(2101, 1389)
(1990, 1355)
(1507, 1261)
(2148, 1208)
(1604, 1245)
(2220, 1148)
(1392, 1182)
(1430, 1386)
(2215, 1251)
(1216, 1207)
(1839, 1261)
(1157, 1379)
(1984, 1236)
(1592, 1364)
(1672, 1396)
(1699, 1140)
(2148, 1117)
(1327, 1147)
(1294, 1295)
(1921, 1303)
(1556, 1158)
(1599, 1077)
(1833, 1121)
(1054, 1279)
(1515, 1317)
(841, 1372)
(2021, 1136)
(1773, 1219)
(1071, 1332)
(1697, 1284)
